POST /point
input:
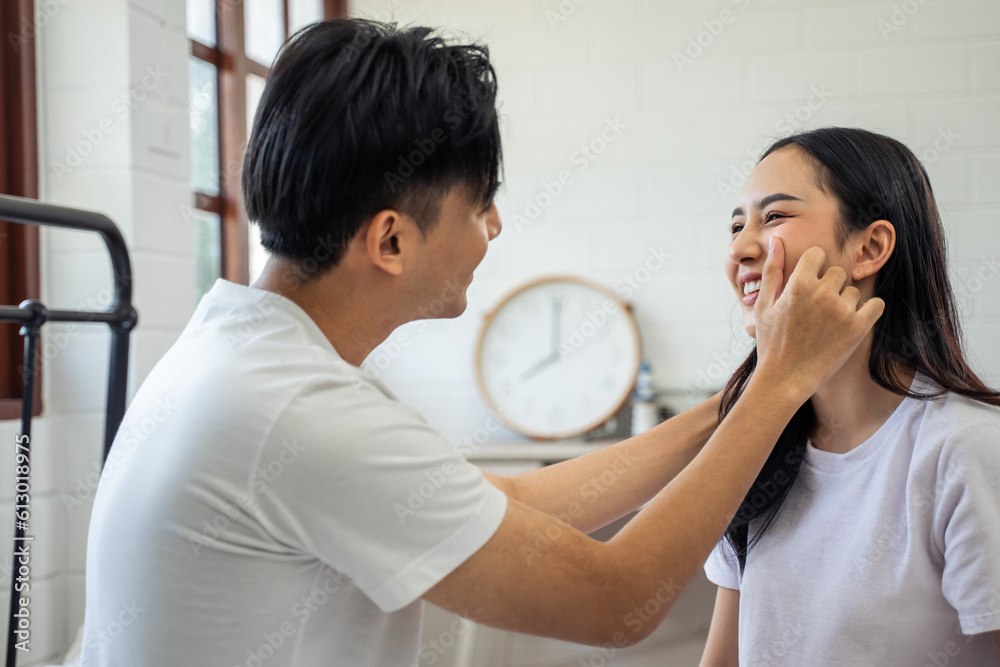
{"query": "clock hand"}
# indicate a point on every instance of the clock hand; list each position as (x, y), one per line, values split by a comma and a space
(556, 324)
(534, 370)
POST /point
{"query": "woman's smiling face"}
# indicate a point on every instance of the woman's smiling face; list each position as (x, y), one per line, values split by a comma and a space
(781, 198)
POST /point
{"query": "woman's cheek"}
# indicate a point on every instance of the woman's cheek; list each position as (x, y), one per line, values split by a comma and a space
(792, 254)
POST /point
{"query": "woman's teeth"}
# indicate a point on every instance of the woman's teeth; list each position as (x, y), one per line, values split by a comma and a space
(752, 286)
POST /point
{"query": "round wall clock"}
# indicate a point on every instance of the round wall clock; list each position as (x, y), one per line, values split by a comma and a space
(558, 357)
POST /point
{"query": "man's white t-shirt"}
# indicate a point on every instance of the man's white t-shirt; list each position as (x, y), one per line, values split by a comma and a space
(886, 555)
(266, 504)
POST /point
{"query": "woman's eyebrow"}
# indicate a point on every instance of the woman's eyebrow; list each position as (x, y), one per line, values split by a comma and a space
(764, 201)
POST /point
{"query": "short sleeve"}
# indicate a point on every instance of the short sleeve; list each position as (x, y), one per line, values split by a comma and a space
(967, 524)
(375, 492)
(722, 568)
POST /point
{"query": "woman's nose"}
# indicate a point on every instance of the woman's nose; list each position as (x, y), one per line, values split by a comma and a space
(746, 246)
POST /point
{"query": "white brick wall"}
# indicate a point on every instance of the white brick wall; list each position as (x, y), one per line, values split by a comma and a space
(908, 69)
(132, 165)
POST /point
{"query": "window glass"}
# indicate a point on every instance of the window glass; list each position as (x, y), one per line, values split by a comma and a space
(303, 12)
(207, 250)
(204, 105)
(255, 88)
(264, 23)
(201, 21)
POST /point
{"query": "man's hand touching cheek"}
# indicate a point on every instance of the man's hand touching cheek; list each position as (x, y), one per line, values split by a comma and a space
(807, 328)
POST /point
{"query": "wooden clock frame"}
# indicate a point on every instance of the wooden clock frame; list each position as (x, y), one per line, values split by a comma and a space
(626, 309)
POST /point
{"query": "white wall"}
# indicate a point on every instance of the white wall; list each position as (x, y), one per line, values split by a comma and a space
(692, 129)
(113, 126)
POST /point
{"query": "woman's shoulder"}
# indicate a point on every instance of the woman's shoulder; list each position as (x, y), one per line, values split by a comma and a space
(952, 406)
(965, 431)
(966, 412)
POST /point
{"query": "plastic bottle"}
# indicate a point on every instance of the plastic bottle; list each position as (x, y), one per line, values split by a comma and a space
(645, 410)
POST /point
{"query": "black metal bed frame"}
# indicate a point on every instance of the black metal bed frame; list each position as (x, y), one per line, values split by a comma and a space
(32, 314)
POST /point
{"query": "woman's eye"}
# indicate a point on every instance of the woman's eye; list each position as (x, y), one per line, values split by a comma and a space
(736, 227)
(773, 215)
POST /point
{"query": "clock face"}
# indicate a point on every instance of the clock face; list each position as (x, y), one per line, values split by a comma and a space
(558, 357)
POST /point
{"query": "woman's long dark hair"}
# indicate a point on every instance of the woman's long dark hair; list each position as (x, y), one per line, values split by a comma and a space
(873, 177)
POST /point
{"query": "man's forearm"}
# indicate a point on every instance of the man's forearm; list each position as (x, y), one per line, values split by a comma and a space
(562, 584)
(593, 490)
(673, 535)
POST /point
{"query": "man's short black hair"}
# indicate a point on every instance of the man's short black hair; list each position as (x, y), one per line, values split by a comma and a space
(358, 116)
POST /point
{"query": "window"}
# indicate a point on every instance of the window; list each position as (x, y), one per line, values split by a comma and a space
(18, 176)
(232, 47)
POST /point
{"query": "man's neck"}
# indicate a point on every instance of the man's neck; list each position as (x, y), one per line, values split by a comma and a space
(850, 406)
(353, 326)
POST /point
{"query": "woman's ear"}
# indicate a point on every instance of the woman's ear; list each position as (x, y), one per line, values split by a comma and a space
(874, 247)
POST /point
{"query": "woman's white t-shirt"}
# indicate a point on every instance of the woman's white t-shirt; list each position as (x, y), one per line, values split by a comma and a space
(888, 554)
(267, 504)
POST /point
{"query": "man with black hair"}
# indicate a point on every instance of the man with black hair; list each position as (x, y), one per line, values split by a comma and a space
(257, 524)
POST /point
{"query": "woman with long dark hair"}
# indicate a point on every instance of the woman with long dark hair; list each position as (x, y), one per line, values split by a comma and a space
(872, 533)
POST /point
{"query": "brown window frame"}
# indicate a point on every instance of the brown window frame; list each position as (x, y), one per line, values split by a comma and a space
(19, 256)
(232, 65)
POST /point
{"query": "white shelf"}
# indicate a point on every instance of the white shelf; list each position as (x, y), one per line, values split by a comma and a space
(526, 450)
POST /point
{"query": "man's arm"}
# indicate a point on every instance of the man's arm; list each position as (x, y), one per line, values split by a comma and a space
(538, 575)
(593, 490)
(541, 576)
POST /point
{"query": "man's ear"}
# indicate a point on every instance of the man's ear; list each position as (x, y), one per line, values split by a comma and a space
(875, 245)
(388, 233)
